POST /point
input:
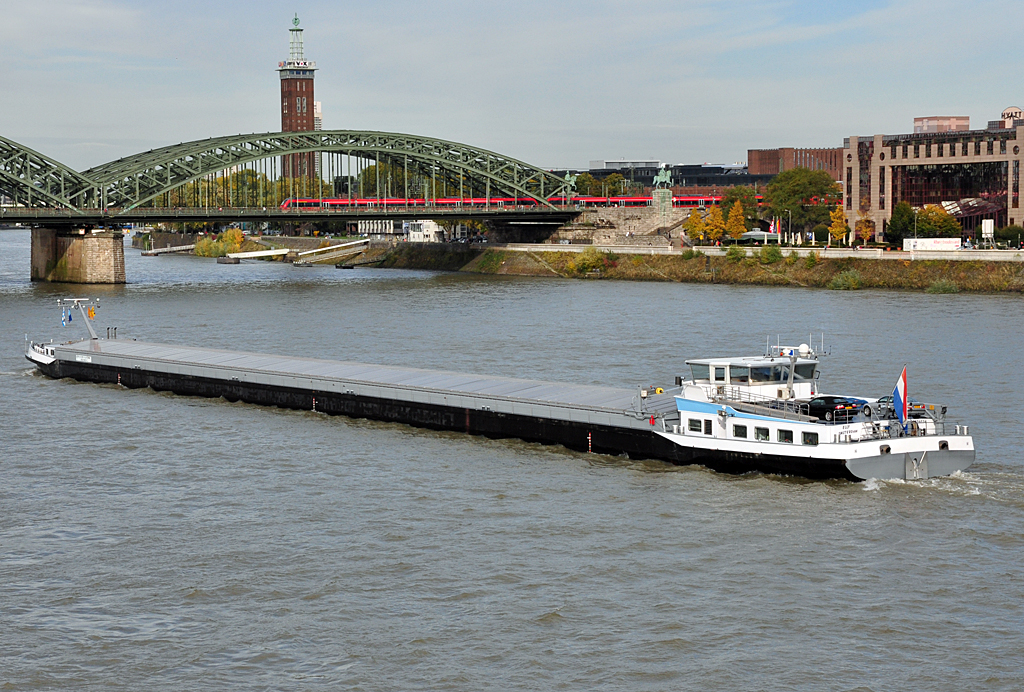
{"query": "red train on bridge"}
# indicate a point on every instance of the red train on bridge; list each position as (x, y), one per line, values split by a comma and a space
(499, 202)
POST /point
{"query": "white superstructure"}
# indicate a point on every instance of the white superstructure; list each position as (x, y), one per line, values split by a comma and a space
(762, 406)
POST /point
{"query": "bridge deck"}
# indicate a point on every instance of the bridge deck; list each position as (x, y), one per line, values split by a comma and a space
(85, 217)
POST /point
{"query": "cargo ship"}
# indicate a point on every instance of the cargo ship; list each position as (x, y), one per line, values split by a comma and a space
(734, 414)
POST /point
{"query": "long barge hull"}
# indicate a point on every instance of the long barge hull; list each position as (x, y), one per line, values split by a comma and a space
(584, 418)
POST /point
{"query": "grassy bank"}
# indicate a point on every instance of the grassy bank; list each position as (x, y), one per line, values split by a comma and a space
(769, 268)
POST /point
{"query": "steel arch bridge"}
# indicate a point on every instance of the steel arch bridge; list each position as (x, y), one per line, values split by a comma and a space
(36, 180)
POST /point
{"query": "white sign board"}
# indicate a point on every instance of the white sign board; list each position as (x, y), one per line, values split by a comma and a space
(930, 244)
(988, 229)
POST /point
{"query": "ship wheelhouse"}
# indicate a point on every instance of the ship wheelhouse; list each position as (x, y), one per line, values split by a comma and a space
(753, 378)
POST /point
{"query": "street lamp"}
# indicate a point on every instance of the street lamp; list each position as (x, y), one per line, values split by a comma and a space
(790, 227)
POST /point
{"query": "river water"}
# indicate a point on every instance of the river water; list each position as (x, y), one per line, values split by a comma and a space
(151, 541)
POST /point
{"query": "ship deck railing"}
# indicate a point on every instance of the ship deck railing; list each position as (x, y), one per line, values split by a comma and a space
(743, 399)
(893, 429)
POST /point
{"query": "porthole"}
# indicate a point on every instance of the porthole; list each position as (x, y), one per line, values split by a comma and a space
(1016, 150)
(882, 157)
(849, 157)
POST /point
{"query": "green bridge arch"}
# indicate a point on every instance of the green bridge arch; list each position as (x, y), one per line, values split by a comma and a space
(36, 180)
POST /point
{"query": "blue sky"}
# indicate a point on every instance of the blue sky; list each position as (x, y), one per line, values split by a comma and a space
(554, 83)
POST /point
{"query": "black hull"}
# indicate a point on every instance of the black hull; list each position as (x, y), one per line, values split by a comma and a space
(581, 437)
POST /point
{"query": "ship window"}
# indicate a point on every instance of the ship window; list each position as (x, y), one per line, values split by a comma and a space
(761, 434)
(720, 373)
(700, 372)
(695, 425)
(786, 436)
(707, 427)
(761, 374)
(804, 371)
(739, 375)
(810, 438)
(739, 431)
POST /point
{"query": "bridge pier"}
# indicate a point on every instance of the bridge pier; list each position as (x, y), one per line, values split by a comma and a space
(78, 256)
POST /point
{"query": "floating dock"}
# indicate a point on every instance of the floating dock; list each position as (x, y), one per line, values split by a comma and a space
(581, 417)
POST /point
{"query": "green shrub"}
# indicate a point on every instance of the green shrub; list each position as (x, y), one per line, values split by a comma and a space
(591, 260)
(1009, 234)
(845, 281)
(770, 254)
(943, 286)
(735, 253)
(208, 247)
(791, 258)
(690, 254)
(811, 261)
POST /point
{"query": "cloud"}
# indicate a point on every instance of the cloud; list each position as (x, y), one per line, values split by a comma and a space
(556, 84)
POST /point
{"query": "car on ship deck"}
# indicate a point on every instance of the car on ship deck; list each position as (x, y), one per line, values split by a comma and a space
(834, 408)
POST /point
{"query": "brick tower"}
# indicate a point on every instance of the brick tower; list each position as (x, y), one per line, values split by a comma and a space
(297, 103)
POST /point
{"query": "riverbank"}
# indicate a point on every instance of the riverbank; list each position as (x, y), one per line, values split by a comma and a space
(766, 268)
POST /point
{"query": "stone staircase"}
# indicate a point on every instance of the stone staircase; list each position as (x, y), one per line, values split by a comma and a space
(623, 226)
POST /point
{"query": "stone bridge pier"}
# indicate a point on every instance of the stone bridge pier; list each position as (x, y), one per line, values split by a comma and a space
(78, 256)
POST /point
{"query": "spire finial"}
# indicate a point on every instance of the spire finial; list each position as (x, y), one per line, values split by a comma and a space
(295, 22)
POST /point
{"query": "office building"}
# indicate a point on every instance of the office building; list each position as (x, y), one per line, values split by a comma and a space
(974, 174)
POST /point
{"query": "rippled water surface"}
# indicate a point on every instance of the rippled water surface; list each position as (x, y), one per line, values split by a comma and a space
(150, 541)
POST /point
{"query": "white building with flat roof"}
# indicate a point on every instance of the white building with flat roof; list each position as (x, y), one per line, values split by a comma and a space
(425, 231)
(622, 163)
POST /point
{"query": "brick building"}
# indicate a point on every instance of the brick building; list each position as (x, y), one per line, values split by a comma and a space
(297, 104)
(775, 161)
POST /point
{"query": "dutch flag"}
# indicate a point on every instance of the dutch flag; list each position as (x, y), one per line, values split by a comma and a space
(899, 396)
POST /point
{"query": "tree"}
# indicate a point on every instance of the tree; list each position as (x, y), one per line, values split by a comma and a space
(865, 227)
(612, 184)
(807, 194)
(838, 229)
(736, 225)
(715, 223)
(901, 225)
(935, 222)
(393, 180)
(695, 226)
(585, 185)
(1009, 234)
(747, 197)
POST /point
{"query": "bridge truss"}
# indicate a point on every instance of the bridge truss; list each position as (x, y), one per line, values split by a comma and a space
(35, 180)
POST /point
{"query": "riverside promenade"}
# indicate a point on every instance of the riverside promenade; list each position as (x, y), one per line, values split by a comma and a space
(822, 252)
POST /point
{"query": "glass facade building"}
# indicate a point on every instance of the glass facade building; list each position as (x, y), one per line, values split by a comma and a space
(974, 174)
